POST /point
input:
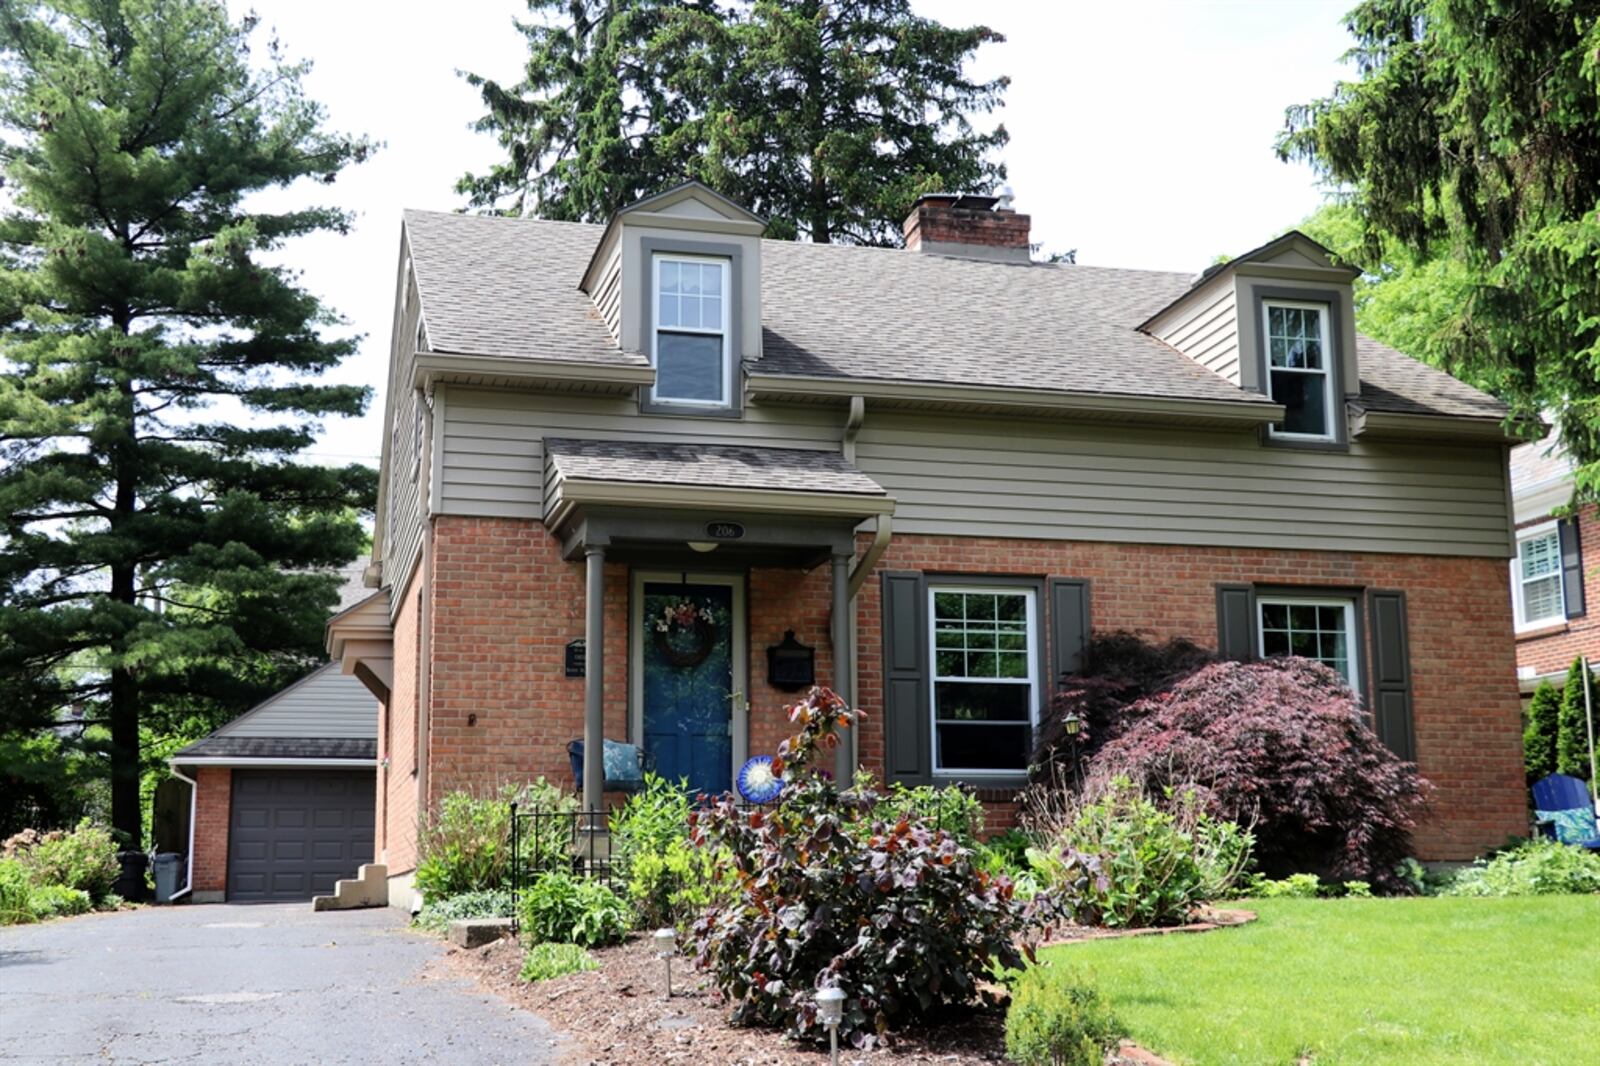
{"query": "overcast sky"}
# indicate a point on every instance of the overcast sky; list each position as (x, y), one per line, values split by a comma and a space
(1141, 131)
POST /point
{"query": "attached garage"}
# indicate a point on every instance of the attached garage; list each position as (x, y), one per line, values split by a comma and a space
(284, 795)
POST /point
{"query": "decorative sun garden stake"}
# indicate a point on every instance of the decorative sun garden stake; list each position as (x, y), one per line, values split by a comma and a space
(757, 781)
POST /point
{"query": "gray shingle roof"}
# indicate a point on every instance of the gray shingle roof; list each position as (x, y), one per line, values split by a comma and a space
(508, 287)
(708, 466)
(281, 748)
(1392, 381)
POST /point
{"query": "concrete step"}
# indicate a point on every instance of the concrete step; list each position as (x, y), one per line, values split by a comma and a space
(369, 888)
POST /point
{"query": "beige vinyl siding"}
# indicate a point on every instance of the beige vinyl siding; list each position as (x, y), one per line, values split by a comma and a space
(326, 703)
(403, 504)
(608, 292)
(1207, 330)
(493, 456)
(990, 478)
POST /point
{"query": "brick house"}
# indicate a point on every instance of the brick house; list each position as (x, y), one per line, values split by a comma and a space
(1553, 577)
(939, 467)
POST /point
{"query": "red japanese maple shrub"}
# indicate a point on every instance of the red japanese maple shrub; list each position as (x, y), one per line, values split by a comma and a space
(1284, 745)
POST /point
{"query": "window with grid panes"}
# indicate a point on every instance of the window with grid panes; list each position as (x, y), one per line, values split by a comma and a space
(985, 677)
(1300, 377)
(690, 342)
(1320, 629)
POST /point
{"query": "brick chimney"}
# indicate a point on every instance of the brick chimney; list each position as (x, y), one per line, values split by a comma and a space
(974, 227)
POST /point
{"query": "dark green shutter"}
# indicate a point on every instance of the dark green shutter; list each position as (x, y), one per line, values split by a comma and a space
(1391, 673)
(1571, 566)
(1069, 626)
(908, 745)
(1236, 622)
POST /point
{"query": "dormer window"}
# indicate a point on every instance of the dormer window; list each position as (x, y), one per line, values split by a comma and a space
(690, 340)
(1299, 367)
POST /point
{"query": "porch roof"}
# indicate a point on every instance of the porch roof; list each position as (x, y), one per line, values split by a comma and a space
(591, 476)
(707, 466)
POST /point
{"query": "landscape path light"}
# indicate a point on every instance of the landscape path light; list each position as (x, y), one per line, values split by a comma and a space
(665, 947)
(830, 1012)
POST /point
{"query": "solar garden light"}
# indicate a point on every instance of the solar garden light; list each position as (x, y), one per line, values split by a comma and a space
(664, 951)
(830, 1012)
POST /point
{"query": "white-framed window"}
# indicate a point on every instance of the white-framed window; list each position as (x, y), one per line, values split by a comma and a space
(1536, 586)
(1317, 628)
(1299, 368)
(984, 643)
(690, 343)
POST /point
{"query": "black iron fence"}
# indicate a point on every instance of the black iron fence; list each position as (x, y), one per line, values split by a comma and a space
(579, 843)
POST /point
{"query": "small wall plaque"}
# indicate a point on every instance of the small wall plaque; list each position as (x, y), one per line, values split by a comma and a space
(577, 657)
(791, 666)
(724, 530)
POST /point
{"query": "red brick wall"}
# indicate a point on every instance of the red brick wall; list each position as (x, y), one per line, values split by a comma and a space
(1465, 703)
(505, 604)
(1551, 649)
(213, 801)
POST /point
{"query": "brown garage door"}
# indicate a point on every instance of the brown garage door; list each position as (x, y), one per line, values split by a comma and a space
(293, 833)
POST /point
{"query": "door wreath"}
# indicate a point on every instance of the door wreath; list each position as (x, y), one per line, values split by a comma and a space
(676, 618)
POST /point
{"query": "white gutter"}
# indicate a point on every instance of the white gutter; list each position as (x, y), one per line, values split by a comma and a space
(188, 858)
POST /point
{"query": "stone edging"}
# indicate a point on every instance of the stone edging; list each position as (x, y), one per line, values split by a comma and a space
(1210, 919)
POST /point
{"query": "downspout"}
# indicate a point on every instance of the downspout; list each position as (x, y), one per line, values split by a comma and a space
(430, 494)
(188, 858)
(860, 569)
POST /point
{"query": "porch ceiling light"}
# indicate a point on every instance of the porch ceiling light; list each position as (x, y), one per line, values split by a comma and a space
(703, 545)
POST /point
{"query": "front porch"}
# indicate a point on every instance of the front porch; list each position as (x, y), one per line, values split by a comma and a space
(721, 546)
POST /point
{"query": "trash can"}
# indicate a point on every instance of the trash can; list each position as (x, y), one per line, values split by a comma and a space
(130, 881)
(169, 875)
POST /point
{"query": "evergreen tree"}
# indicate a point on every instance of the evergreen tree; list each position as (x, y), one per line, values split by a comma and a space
(828, 118)
(1473, 135)
(1539, 734)
(1572, 734)
(158, 542)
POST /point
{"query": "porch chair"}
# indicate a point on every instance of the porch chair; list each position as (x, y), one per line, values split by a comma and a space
(1564, 811)
(625, 765)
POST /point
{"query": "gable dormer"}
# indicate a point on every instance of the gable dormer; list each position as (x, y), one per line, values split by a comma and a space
(677, 279)
(1279, 320)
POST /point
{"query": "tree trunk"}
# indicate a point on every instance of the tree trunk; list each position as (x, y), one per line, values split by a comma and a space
(123, 711)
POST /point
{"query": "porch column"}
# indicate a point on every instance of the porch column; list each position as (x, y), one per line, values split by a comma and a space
(594, 670)
(844, 766)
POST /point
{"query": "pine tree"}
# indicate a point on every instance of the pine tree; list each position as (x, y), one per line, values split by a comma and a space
(1539, 735)
(1572, 734)
(158, 542)
(1471, 137)
(828, 118)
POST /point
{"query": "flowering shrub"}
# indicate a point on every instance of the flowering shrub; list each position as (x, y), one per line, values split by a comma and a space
(1281, 745)
(84, 859)
(1117, 859)
(895, 913)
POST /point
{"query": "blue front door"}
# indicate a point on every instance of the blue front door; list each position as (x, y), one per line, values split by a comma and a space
(687, 644)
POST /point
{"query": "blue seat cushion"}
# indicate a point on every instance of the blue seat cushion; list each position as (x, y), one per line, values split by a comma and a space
(1575, 826)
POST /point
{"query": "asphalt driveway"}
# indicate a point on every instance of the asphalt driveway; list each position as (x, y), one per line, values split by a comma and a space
(264, 983)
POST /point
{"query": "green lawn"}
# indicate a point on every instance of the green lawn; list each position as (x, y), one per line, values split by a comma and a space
(1411, 981)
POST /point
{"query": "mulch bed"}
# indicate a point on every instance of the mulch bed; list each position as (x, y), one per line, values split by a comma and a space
(618, 1014)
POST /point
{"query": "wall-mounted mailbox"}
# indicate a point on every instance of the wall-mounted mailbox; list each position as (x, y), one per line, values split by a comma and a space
(791, 665)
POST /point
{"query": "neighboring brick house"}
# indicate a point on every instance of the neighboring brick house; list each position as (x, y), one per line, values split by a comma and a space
(1555, 572)
(941, 467)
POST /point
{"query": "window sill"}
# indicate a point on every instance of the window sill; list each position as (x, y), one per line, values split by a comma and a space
(1550, 629)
